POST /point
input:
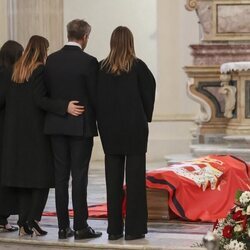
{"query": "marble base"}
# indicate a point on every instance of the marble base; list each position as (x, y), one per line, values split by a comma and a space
(211, 139)
(217, 54)
(239, 141)
(237, 145)
(176, 158)
(203, 150)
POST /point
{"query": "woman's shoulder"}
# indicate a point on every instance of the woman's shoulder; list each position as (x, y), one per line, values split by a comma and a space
(5, 74)
(39, 69)
(139, 63)
(103, 68)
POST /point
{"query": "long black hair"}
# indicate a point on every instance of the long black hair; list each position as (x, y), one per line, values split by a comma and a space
(10, 52)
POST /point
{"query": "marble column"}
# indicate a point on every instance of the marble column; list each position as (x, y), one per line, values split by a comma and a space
(40, 17)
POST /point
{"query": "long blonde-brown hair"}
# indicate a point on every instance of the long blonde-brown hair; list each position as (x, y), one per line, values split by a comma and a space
(122, 52)
(34, 54)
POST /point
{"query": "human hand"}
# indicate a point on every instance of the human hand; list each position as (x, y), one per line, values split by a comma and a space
(75, 109)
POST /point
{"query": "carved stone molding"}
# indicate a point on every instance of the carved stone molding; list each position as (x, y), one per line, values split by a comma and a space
(191, 5)
(229, 93)
(222, 20)
(205, 110)
(217, 54)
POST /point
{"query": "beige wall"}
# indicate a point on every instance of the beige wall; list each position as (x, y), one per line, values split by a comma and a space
(163, 30)
(105, 15)
(3, 22)
(32, 17)
(177, 28)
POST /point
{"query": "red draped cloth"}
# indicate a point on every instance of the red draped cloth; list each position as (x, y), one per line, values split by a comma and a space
(202, 189)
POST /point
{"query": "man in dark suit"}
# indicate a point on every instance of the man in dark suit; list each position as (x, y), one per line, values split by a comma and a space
(71, 74)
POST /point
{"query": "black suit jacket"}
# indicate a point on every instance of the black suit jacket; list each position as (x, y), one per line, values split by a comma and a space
(71, 74)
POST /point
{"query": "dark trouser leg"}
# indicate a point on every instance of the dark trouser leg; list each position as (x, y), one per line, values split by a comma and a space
(3, 219)
(39, 199)
(80, 151)
(61, 153)
(136, 216)
(25, 197)
(114, 171)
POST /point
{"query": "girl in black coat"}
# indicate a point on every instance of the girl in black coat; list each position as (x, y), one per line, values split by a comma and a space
(126, 93)
(27, 162)
(10, 52)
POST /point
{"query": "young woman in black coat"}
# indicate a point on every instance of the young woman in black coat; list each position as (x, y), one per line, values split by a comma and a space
(10, 52)
(126, 93)
(27, 162)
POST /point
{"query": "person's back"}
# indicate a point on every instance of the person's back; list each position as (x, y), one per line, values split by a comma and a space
(24, 141)
(123, 126)
(10, 52)
(71, 74)
(122, 118)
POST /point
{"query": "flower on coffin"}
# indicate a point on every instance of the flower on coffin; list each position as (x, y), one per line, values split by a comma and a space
(245, 198)
(238, 228)
(234, 230)
(228, 231)
(235, 245)
(238, 215)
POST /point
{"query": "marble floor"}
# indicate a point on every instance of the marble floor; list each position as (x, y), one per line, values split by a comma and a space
(168, 235)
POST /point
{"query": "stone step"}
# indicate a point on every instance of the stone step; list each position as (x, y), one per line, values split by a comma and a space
(145, 244)
(161, 236)
(83, 246)
(202, 150)
(237, 141)
(175, 158)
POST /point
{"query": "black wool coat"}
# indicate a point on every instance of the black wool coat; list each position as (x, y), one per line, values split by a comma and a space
(124, 108)
(27, 158)
(71, 74)
(8, 196)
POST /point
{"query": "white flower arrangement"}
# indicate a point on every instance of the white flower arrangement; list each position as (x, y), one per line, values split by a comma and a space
(233, 231)
(245, 197)
(235, 245)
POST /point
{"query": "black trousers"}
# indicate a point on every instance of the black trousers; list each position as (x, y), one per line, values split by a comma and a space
(31, 204)
(136, 204)
(72, 154)
(4, 219)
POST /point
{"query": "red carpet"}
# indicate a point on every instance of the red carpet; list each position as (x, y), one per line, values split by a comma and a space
(95, 211)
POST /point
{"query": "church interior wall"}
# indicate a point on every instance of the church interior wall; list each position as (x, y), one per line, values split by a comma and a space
(3, 21)
(163, 31)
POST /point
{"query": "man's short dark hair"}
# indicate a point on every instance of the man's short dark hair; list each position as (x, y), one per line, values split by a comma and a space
(77, 29)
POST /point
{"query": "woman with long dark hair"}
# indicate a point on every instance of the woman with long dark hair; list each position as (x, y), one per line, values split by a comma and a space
(10, 52)
(126, 93)
(27, 159)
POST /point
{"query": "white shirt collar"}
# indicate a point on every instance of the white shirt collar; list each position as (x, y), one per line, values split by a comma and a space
(73, 44)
